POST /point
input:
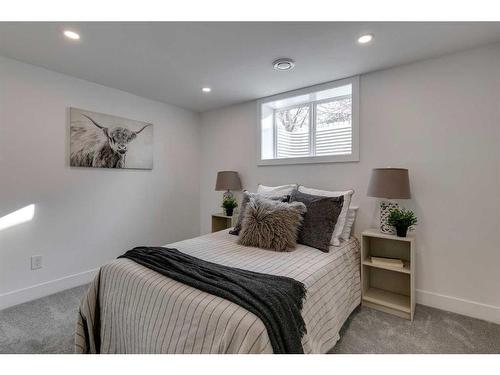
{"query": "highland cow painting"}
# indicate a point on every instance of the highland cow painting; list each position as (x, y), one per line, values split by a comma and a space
(104, 141)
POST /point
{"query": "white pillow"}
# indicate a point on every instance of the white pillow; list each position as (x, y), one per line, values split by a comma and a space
(349, 222)
(276, 191)
(339, 227)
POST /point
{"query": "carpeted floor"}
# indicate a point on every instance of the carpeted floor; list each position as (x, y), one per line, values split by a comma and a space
(47, 325)
(432, 331)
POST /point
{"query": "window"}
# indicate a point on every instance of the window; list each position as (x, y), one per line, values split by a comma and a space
(313, 125)
(292, 132)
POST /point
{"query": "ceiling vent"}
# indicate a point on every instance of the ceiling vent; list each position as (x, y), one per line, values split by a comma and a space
(283, 64)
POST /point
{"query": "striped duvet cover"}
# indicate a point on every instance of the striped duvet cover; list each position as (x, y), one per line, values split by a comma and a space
(132, 309)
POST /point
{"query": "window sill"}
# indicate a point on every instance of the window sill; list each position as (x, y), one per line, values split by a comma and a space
(310, 160)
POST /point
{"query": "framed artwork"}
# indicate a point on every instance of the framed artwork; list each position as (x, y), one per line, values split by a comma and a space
(98, 140)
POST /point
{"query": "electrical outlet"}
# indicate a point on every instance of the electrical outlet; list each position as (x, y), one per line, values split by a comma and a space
(36, 262)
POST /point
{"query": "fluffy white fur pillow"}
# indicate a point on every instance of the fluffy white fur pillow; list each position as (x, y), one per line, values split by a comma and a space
(271, 224)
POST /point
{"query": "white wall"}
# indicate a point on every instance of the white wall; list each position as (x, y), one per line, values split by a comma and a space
(85, 217)
(439, 118)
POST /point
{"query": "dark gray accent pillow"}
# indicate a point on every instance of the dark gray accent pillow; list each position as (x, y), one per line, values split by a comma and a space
(319, 220)
(271, 224)
(244, 201)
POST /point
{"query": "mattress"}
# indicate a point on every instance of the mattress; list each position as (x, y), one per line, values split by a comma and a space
(132, 309)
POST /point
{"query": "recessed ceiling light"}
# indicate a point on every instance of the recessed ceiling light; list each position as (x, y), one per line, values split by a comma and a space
(366, 38)
(71, 35)
(206, 89)
(283, 64)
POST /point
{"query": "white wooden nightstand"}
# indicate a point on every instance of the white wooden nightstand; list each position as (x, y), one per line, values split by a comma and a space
(386, 288)
(222, 221)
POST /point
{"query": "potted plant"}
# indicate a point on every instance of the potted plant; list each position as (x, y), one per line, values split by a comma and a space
(401, 219)
(229, 204)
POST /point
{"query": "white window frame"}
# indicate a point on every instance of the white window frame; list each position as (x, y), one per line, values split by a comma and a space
(353, 157)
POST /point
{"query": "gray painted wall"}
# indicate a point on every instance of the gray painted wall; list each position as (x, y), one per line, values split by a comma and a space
(437, 117)
(85, 217)
(440, 119)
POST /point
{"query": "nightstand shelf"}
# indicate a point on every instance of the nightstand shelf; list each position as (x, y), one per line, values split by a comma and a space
(386, 288)
(388, 299)
(406, 266)
(222, 221)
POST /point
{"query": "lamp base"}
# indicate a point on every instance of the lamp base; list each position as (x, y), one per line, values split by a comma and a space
(227, 194)
(385, 209)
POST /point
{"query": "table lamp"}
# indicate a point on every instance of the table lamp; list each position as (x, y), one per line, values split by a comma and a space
(228, 180)
(389, 183)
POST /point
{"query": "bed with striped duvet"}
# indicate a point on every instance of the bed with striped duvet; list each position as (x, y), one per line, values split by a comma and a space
(132, 309)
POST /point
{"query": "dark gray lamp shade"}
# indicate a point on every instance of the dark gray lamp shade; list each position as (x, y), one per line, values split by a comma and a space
(228, 180)
(390, 183)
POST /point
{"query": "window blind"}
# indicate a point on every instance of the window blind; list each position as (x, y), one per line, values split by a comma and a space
(292, 144)
(334, 141)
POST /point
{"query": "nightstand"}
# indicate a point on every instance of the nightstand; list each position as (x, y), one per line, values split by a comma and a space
(387, 288)
(222, 221)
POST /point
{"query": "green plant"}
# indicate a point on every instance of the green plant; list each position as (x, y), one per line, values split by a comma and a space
(229, 202)
(402, 218)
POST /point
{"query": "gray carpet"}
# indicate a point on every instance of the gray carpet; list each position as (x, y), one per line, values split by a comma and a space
(47, 325)
(432, 331)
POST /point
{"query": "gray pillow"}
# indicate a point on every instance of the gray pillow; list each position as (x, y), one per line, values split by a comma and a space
(271, 224)
(319, 220)
(244, 201)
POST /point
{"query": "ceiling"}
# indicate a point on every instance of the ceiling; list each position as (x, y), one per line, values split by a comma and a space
(172, 61)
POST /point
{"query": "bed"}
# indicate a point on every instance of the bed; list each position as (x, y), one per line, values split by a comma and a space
(132, 309)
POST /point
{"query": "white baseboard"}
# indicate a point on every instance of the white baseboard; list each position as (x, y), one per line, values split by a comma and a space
(457, 305)
(461, 306)
(44, 289)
